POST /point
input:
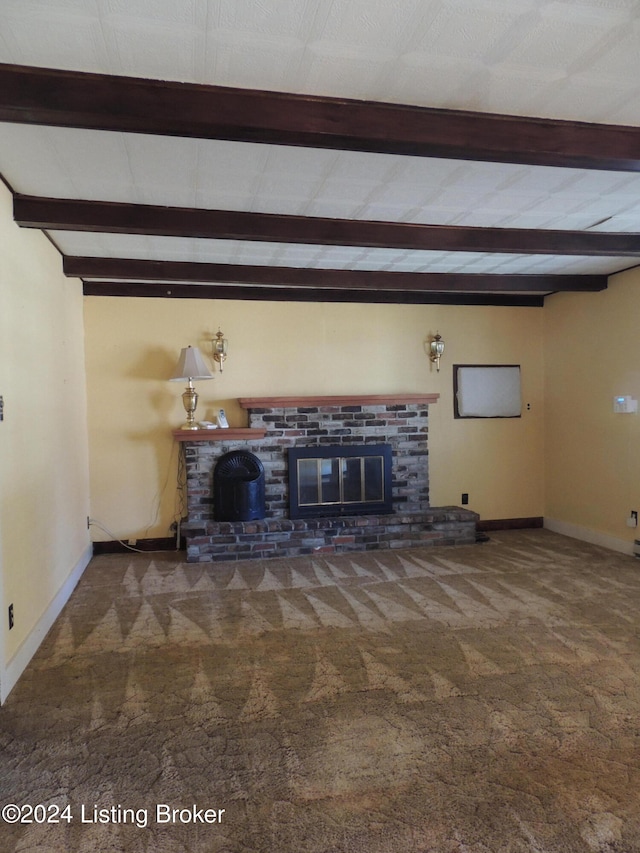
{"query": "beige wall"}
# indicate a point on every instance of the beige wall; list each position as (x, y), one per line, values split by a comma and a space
(44, 494)
(132, 346)
(592, 349)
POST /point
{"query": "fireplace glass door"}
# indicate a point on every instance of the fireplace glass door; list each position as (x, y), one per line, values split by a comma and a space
(339, 480)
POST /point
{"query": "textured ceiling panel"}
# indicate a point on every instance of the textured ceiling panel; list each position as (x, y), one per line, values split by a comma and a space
(565, 59)
(327, 257)
(485, 55)
(96, 165)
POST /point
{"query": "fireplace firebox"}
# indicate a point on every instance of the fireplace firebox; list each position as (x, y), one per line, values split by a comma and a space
(340, 480)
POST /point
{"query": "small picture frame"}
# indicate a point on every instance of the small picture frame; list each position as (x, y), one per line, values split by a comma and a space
(222, 419)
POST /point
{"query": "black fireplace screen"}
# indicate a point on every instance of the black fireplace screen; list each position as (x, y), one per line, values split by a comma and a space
(325, 481)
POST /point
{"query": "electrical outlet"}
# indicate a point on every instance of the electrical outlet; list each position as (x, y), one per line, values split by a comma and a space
(10, 616)
(465, 498)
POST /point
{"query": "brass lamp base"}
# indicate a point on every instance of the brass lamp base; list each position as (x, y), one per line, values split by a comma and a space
(190, 402)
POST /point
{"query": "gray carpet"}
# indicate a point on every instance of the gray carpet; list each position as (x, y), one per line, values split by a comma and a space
(462, 700)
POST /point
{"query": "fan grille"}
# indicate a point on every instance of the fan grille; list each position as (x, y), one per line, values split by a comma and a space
(239, 464)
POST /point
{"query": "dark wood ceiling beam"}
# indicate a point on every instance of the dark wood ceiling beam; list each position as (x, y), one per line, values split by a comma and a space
(72, 99)
(293, 294)
(122, 218)
(322, 279)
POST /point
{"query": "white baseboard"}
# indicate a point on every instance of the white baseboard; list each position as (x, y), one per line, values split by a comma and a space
(19, 662)
(586, 534)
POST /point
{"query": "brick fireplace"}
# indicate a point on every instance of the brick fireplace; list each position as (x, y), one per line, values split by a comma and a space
(278, 423)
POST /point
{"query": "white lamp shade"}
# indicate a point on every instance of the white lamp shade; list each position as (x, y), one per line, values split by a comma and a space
(191, 366)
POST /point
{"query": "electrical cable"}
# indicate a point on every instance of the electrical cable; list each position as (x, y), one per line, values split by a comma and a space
(180, 504)
(157, 499)
(92, 521)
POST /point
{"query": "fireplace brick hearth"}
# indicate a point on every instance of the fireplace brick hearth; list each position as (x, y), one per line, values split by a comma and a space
(275, 424)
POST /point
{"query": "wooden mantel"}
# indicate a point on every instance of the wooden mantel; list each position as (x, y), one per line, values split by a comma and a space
(229, 434)
(343, 400)
(247, 434)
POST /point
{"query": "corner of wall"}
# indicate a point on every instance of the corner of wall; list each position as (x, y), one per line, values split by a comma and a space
(586, 534)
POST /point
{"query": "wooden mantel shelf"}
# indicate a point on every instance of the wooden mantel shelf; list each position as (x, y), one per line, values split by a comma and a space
(344, 400)
(230, 434)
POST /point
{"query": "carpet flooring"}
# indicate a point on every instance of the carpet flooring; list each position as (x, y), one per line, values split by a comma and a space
(477, 699)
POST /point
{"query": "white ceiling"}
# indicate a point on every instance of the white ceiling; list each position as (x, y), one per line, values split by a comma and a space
(578, 59)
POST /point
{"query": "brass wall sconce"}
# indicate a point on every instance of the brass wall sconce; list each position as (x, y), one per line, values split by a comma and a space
(190, 366)
(220, 347)
(436, 349)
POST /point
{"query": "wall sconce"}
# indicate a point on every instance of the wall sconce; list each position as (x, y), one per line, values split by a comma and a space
(436, 349)
(220, 346)
(190, 366)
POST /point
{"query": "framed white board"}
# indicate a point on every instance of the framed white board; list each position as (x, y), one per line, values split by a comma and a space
(487, 391)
